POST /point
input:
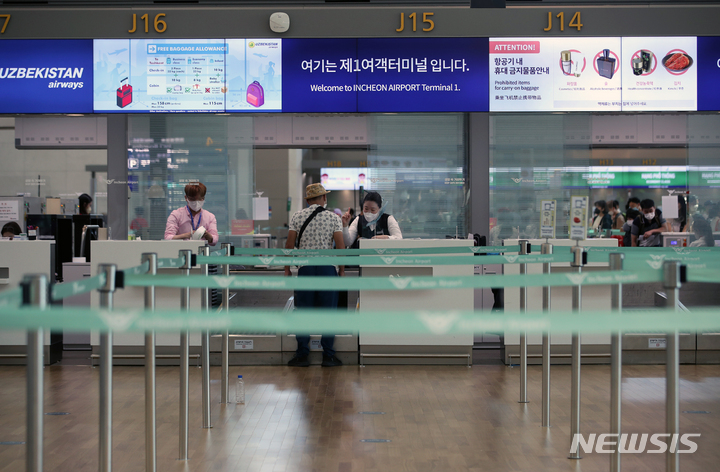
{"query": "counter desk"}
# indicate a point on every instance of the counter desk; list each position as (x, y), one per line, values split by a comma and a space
(129, 347)
(416, 349)
(18, 258)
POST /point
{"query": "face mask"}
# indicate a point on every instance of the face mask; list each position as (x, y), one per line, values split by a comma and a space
(196, 205)
(324, 205)
(650, 216)
(370, 217)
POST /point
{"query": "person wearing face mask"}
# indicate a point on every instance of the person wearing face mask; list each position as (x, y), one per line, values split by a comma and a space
(183, 222)
(85, 204)
(373, 222)
(647, 227)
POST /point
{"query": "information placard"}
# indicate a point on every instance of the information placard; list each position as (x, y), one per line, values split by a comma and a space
(578, 217)
(659, 74)
(555, 74)
(547, 219)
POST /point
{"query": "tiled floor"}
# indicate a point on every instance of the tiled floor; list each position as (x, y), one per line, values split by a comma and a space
(311, 419)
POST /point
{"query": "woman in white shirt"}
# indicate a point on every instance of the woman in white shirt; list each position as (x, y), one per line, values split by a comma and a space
(373, 222)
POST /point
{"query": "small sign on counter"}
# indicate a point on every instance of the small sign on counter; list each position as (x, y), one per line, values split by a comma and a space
(243, 344)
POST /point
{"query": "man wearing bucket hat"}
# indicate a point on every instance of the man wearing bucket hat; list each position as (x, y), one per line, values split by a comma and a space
(315, 228)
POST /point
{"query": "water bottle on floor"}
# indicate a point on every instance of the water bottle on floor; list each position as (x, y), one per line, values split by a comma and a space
(240, 390)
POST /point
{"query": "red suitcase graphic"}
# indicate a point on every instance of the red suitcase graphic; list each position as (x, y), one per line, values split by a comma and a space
(124, 94)
(255, 94)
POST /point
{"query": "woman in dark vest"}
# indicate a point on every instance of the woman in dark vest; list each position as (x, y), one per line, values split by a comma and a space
(373, 222)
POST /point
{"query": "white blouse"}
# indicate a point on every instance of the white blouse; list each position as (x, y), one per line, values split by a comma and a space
(350, 233)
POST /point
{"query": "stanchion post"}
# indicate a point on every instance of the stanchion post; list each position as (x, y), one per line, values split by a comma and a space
(524, 243)
(205, 341)
(577, 264)
(106, 365)
(35, 294)
(150, 416)
(184, 360)
(672, 284)
(616, 264)
(546, 248)
(225, 392)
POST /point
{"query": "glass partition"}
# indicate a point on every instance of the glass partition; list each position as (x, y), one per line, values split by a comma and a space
(166, 152)
(418, 164)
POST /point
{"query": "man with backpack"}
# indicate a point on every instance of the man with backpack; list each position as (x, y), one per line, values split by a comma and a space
(647, 227)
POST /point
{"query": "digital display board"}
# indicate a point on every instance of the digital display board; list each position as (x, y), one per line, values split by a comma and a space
(422, 75)
(254, 75)
(378, 75)
(40, 76)
(159, 75)
(320, 75)
(555, 74)
(708, 73)
(385, 75)
(659, 74)
(343, 178)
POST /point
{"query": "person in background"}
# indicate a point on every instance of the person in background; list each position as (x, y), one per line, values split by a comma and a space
(139, 223)
(85, 204)
(703, 234)
(679, 224)
(714, 218)
(603, 220)
(315, 228)
(351, 211)
(648, 226)
(183, 222)
(10, 230)
(618, 220)
(373, 222)
(632, 209)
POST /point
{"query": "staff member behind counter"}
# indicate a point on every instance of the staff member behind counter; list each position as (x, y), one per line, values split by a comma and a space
(373, 223)
(10, 230)
(184, 222)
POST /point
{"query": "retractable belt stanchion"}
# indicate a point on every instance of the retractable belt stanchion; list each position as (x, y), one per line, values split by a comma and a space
(224, 393)
(672, 284)
(35, 293)
(546, 248)
(106, 365)
(184, 360)
(579, 258)
(524, 250)
(205, 341)
(616, 264)
(150, 417)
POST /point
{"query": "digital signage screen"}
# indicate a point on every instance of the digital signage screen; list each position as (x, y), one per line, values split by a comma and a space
(42, 76)
(555, 74)
(159, 75)
(422, 75)
(254, 75)
(659, 74)
(319, 75)
(708, 73)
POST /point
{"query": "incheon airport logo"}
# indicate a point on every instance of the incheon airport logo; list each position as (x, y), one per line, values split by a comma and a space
(634, 443)
(251, 44)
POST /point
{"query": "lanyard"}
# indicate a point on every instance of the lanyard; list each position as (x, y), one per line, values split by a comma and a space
(192, 223)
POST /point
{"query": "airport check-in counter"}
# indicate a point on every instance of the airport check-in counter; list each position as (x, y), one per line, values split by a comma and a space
(416, 349)
(595, 347)
(18, 258)
(129, 347)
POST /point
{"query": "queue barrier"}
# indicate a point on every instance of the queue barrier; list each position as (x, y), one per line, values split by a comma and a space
(652, 266)
(319, 321)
